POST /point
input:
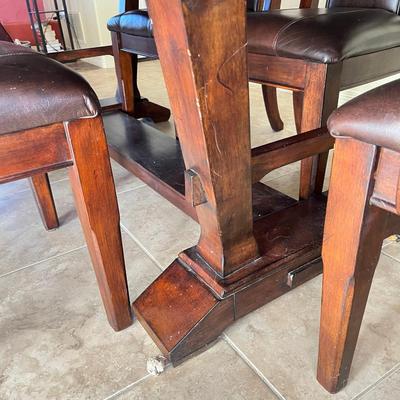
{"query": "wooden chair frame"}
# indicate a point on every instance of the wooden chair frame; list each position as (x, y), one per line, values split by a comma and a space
(358, 219)
(316, 89)
(126, 49)
(78, 145)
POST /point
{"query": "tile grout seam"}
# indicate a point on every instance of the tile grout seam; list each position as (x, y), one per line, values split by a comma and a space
(42, 261)
(252, 366)
(127, 388)
(141, 246)
(374, 385)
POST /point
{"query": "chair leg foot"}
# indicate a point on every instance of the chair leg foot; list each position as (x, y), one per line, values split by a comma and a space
(44, 200)
(271, 107)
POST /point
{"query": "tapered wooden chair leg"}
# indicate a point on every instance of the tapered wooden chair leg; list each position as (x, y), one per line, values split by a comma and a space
(352, 242)
(126, 74)
(317, 102)
(96, 201)
(298, 109)
(44, 199)
(271, 107)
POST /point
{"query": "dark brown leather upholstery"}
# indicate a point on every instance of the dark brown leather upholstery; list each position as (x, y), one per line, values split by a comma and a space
(323, 35)
(373, 117)
(135, 23)
(138, 22)
(37, 91)
(390, 5)
(320, 35)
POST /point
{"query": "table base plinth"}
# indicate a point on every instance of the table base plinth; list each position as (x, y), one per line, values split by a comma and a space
(189, 305)
(187, 308)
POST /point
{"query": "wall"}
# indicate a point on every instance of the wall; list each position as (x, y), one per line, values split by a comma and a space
(90, 22)
(14, 16)
(295, 3)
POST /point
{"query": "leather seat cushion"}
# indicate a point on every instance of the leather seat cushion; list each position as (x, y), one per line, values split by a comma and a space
(322, 35)
(37, 91)
(136, 23)
(373, 117)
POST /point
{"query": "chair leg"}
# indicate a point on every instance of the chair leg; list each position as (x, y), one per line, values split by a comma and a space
(298, 109)
(96, 201)
(320, 98)
(352, 242)
(126, 68)
(44, 200)
(271, 107)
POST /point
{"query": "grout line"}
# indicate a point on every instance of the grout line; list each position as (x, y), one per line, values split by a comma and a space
(133, 188)
(42, 261)
(253, 367)
(142, 247)
(371, 387)
(390, 256)
(127, 388)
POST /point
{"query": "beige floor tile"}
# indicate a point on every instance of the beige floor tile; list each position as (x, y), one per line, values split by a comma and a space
(24, 240)
(287, 184)
(9, 188)
(55, 342)
(387, 389)
(160, 227)
(392, 248)
(281, 338)
(219, 373)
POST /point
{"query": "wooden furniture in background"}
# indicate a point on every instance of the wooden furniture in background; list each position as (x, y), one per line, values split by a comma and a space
(62, 128)
(132, 36)
(316, 53)
(363, 209)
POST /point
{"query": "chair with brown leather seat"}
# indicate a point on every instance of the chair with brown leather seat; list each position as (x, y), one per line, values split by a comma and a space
(318, 52)
(132, 36)
(363, 209)
(50, 119)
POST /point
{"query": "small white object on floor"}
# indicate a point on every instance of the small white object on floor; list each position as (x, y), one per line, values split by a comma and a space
(156, 365)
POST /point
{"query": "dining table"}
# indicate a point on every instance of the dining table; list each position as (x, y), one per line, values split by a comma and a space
(256, 243)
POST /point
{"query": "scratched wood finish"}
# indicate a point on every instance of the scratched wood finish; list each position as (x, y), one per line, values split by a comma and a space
(220, 78)
(238, 265)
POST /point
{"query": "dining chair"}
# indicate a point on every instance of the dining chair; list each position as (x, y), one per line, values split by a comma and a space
(363, 209)
(316, 53)
(50, 118)
(132, 36)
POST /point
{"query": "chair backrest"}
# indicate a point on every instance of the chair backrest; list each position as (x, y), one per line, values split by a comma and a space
(390, 5)
(4, 34)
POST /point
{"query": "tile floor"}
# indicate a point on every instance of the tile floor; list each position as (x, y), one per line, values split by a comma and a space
(55, 342)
